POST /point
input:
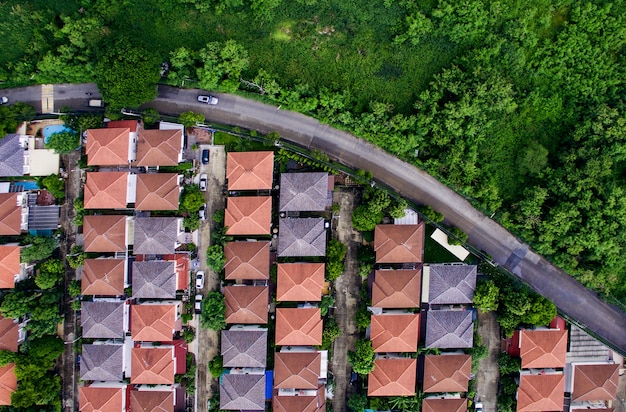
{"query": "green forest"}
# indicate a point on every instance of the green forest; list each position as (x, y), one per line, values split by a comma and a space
(517, 105)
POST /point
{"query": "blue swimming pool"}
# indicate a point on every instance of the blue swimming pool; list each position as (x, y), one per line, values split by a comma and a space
(55, 128)
(27, 185)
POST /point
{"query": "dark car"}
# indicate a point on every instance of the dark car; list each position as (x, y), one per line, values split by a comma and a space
(205, 156)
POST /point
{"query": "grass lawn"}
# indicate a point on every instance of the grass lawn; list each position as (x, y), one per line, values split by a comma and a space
(434, 252)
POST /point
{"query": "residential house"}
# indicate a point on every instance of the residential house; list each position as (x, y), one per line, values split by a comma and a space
(153, 322)
(104, 277)
(159, 147)
(298, 327)
(248, 215)
(105, 233)
(12, 217)
(452, 284)
(447, 373)
(315, 402)
(393, 377)
(244, 347)
(109, 190)
(449, 329)
(300, 282)
(595, 382)
(11, 334)
(250, 170)
(444, 405)
(395, 332)
(302, 237)
(98, 398)
(247, 260)
(543, 392)
(242, 392)
(246, 304)
(158, 191)
(111, 146)
(41, 213)
(299, 370)
(10, 267)
(8, 383)
(158, 399)
(543, 348)
(20, 156)
(104, 319)
(397, 288)
(154, 365)
(102, 362)
(154, 279)
(157, 235)
(399, 243)
(305, 192)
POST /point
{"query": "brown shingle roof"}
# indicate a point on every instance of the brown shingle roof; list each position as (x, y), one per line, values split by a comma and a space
(155, 235)
(104, 277)
(242, 392)
(153, 322)
(395, 332)
(10, 215)
(298, 403)
(449, 329)
(297, 370)
(107, 147)
(397, 289)
(444, 405)
(300, 282)
(157, 191)
(447, 373)
(153, 401)
(399, 243)
(248, 215)
(244, 348)
(249, 170)
(152, 366)
(452, 284)
(304, 192)
(8, 383)
(543, 348)
(302, 237)
(595, 382)
(106, 190)
(159, 147)
(393, 377)
(104, 233)
(99, 399)
(9, 266)
(103, 319)
(247, 260)
(246, 304)
(154, 279)
(102, 363)
(298, 326)
(541, 393)
(8, 334)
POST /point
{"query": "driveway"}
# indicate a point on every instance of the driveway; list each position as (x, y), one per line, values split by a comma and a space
(488, 374)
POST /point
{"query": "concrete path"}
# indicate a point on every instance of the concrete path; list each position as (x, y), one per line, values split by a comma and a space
(488, 375)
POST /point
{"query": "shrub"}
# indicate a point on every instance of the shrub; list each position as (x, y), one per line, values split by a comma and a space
(216, 366)
(362, 357)
(213, 311)
(458, 236)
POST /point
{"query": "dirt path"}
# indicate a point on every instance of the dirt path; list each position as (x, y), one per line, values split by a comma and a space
(347, 294)
(488, 375)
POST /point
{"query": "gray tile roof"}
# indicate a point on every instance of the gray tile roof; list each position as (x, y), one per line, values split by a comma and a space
(242, 392)
(304, 192)
(155, 235)
(11, 156)
(302, 237)
(102, 319)
(102, 363)
(452, 284)
(448, 329)
(154, 279)
(244, 348)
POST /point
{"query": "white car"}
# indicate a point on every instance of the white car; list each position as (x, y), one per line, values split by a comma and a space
(199, 280)
(197, 305)
(208, 99)
(203, 179)
(202, 212)
(4, 100)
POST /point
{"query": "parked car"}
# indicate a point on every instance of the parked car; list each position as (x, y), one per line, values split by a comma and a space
(479, 407)
(203, 180)
(200, 279)
(197, 305)
(95, 103)
(202, 212)
(207, 99)
(4, 100)
(205, 157)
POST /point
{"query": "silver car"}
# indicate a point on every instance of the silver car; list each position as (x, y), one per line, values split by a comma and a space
(208, 99)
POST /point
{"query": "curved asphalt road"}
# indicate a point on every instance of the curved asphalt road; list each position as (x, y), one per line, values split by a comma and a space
(578, 302)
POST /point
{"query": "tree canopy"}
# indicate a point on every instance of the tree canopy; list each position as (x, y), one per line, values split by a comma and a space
(213, 311)
(362, 357)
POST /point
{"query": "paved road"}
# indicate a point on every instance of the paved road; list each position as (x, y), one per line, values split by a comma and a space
(488, 374)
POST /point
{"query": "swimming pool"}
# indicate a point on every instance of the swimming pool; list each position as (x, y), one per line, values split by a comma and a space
(27, 185)
(55, 128)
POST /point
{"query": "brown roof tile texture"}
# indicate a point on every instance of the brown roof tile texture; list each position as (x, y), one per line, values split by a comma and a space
(397, 289)
(157, 191)
(300, 282)
(246, 304)
(99, 399)
(247, 260)
(8, 334)
(297, 370)
(248, 215)
(159, 147)
(153, 401)
(106, 190)
(10, 215)
(9, 266)
(447, 373)
(395, 332)
(399, 243)
(444, 405)
(104, 233)
(543, 348)
(249, 170)
(117, 124)
(296, 403)
(152, 323)
(541, 393)
(393, 377)
(152, 366)
(8, 383)
(595, 382)
(298, 326)
(103, 277)
(107, 147)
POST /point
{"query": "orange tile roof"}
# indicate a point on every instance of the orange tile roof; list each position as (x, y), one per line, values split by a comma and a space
(8, 383)
(247, 260)
(397, 289)
(543, 348)
(297, 370)
(447, 373)
(246, 304)
(300, 282)
(152, 323)
(10, 215)
(159, 147)
(106, 190)
(395, 333)
(249, 170)
(152, 366)
(444, 405)
(595, 382)
(103, 277)
(154, 401)
(128, 124)
(9, 266)
(298, 403)
(393, 377)
(541, 393)
(298, 326)
(8, 334)
(399, 243)
(248, 215)
(99, 399)
(104, 233)
(107, 147)
(157, 191)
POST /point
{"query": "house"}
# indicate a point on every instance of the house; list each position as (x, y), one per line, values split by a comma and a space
(302, 237)
(447, 373)
(111, 146)
(540, 392)
(12, 156)
(244, 347)
(11, 214)
(399, 243)
(393, 377)
(298, 370)
(248, 215)
(305, 192)
(298, 402)
(104, 277)
(11, 334)
(444, 405)
(8, 383)
(242, 392)
(300, 282)
(104, 319)
(158, 191)
(151, 322)
(595, 382)
(42, 213)
(159, 147)
(246, 304)
(452, 284)
(20, 156)
(247, 260)
(109, 190)
(105, 233)
(155, 279)
(156, 235)
(102, 362)
(250, 170)
(298, 327)
(96, 398)
(153, 365)
(449, 329)
(10, 266)
(543, 348)
(397, 289)
(157, 399)
(395, 332)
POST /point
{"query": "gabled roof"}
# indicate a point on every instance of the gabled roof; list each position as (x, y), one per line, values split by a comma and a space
(155, 235)
(9, 266)
(452, 284)
(11, 156)
(99, 399)
(397, 289)
(155, 279)
(104, 277)
(541, 393)
(8, 383)
(242, 392)
(247, 260)
(399, 243)
(8, 334)
(246, 304)
(444, 405)
(104, 233)
(302, 237)
(108, 147)
(243, 348)
(298, 403)
(298, 326)
(249, 170)
(595, 382)
(102, 319)
(157, 191)
(543, 348)
(304, 192)
(447, 373)
(152, 366)
(300, 282)
(152, 322)
(102, 363)
(448, 329)
(106, 190)
(393, 377)
(297, 370)
(248, 215)
(395, 332)
(159, 147)
(151, 400)
(10, 215)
